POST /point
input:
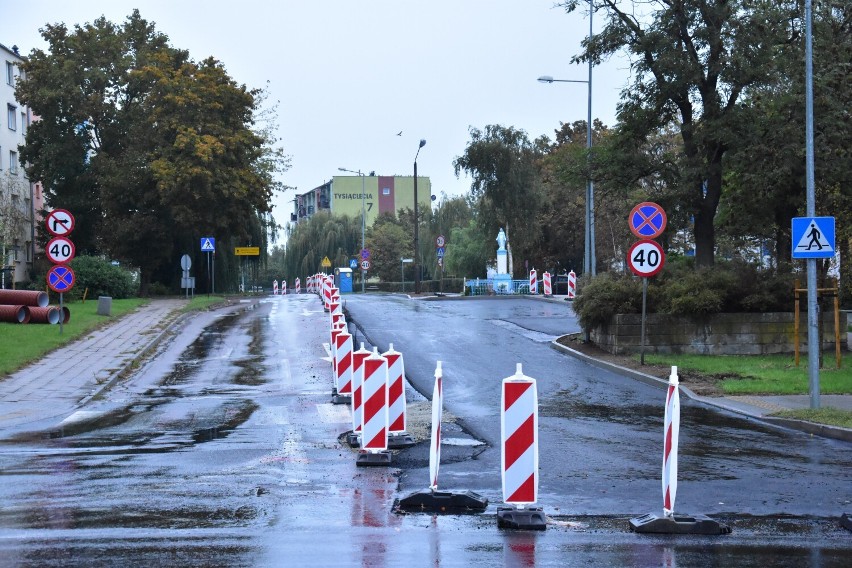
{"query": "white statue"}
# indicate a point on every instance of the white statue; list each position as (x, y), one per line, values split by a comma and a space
(501, 240)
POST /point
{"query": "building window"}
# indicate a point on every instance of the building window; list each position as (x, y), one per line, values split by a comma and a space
(12, 116)
(13, 162)
(385, 191)
(10, 73)
(23, 124)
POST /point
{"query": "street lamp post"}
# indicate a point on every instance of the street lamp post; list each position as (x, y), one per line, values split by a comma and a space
(589, 261)
(363, 219)
(416, 228)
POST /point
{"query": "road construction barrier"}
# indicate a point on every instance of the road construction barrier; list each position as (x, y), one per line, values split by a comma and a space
(437, 416)
(298, 285)
(283, 287)
(335, 331)
(572, 285)
(533, 282)
(275, 287)
(548, 287)
(519, 439)
(671, 432)
(374, 396)
(343, 363)
(396, 391)
(326, 293)
(24, 298)
(357, 385)
(14, 314)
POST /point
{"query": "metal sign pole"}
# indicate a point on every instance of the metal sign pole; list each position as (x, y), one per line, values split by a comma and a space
(642, 333)
(61, 312)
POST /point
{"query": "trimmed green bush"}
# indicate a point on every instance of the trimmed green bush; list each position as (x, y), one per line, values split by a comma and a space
(102, 278)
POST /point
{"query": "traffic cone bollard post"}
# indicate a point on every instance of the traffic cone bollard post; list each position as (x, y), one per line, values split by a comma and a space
(397, 435)
(343, 368)
(548, 287)
(572, 285)
(431, 500)
(354, 438)
(374, 403)
(533, 282)
(669, 523)
(519, 456)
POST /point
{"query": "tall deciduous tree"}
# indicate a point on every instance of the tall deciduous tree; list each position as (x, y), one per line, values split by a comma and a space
(506, 185)
(692, 60)
(154, 148)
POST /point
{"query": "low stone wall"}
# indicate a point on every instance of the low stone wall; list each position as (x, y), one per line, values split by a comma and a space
(717, 334)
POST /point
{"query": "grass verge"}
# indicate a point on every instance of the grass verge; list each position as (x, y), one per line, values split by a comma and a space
(762, 374)
(23, 343)
(832, 416)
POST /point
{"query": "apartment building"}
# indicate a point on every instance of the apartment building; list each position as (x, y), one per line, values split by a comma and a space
(20, 199)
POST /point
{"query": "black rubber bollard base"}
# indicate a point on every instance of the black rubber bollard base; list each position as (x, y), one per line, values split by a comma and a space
(455, 502)
(341, 399)
(846, 522)
(528, 518)
(400, 440)
(678, 524)
(353, 439)
(370, 459)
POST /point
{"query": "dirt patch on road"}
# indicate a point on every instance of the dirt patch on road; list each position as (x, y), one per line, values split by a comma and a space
(701, 384)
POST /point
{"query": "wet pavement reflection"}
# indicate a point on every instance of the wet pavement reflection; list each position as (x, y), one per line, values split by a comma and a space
(230, 455)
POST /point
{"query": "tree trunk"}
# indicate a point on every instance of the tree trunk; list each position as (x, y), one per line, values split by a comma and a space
(708, 202)
(144, 282)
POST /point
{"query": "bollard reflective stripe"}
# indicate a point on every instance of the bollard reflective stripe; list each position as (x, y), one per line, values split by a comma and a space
(671, 432)
(437, 416)
(396, 391)
(343, 363)
(357, 384)
(533, 282)
(519, 439)
(374, 397)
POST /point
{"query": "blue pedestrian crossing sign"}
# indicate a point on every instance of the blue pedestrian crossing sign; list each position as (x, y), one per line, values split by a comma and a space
(813, 237)
(208, 244)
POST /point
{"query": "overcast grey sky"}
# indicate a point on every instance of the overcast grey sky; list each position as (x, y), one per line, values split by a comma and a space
(350, 74)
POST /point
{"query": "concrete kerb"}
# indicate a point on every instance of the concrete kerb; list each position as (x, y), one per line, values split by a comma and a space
(824, 430)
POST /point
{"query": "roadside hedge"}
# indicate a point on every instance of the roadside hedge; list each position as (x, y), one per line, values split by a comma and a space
(727, 287)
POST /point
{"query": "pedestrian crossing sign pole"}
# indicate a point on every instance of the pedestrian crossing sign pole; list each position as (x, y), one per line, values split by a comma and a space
(813, 237)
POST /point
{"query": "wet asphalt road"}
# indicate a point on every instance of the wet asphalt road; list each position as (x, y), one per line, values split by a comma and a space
(224, 451)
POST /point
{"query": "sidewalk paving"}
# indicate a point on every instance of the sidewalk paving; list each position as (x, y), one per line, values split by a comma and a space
(73, 374)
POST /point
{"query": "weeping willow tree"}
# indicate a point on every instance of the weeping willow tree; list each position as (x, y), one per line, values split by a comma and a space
(323, 235)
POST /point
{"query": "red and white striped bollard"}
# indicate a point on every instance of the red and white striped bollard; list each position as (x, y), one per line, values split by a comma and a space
(533, 282)
(548, 287)
(671, 432)
(572, 285)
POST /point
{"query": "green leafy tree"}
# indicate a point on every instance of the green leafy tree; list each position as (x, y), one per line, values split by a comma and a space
(389, 242)
(469, 251)
(323, 235)
(156, 149)
(506, 185)
(692, 60)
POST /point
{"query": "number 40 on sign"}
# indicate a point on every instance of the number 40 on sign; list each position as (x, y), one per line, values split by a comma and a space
(646, 258)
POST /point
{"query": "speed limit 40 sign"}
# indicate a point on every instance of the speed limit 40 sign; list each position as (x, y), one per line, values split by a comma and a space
(646, 258)
(59, 250)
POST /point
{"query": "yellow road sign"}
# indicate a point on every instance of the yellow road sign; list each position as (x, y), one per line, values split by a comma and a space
(326, 263)
(247, 251)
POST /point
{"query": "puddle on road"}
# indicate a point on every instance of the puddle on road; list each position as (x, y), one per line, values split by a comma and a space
(236, 415)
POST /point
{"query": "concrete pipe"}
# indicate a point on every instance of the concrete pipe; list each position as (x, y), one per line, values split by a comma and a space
(50, 314)
(66, 315)
(24, 298)
(14, 314)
